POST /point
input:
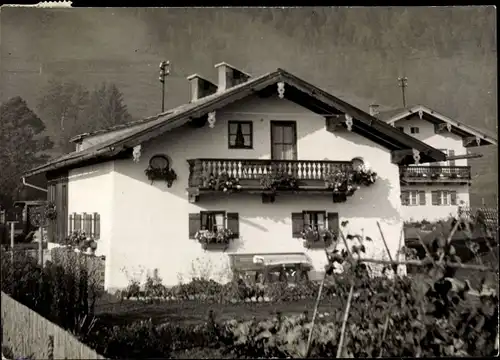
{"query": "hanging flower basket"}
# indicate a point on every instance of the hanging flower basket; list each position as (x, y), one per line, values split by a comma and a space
(222, 182)
(214, 240)
(50, 211)
(166, 174)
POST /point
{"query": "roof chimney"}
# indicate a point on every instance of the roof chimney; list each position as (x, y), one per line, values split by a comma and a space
(374, 109)
(229, 76)
(200, 87)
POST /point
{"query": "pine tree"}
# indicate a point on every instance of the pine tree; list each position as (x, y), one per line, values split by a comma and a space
(22, 145)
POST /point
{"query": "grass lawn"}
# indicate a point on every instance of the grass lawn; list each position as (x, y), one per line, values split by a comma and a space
(196, 311)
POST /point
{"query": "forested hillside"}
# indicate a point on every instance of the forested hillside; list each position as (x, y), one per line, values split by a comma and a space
(448, 55)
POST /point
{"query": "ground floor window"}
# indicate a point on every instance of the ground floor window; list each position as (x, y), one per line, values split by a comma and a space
(444, 197)
(213, 221)
(412, 197)
(317, 219)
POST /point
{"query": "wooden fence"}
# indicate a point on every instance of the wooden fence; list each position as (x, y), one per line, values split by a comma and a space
(27, 334)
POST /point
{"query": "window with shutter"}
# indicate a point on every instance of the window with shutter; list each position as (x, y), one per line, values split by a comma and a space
(421, 196)
(297, 224)
(436, 198)
(405, 198)
(316, 219)
(333, 223)
(453, 197)
(194, 224)
(233, 223)
(213, 220)
(413, 198)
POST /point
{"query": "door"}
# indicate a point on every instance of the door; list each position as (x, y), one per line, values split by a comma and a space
(283, 140)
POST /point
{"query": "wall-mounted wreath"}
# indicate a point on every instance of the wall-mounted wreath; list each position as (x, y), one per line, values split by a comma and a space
(159, 169)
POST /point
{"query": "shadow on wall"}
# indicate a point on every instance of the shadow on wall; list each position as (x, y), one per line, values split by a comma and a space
(91, 172)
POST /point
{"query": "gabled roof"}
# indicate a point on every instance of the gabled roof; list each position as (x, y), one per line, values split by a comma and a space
(465, 131)
(296, 90)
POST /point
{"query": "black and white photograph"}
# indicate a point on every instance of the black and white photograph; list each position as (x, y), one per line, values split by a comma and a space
(248, 182)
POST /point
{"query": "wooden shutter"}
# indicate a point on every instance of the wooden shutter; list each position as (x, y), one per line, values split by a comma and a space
(233, 223)
(334, 223)
(97, 226)
(435, 197)
(297, 224)
(421, 197)
(451, 153)
(84, 224)
(453, 197)
(78, 222)
(194, 224)
(405, 197)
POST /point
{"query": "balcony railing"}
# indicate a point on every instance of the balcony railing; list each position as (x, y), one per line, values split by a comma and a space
(309, 173)
(435, 173)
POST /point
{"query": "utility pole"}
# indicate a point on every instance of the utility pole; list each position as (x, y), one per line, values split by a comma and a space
(403, 83)
(164, 72)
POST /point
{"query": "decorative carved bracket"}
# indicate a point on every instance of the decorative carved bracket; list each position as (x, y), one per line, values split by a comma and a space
(136, 153)
(281, 89)
(211, 119)
(440, 128)
(416, 156)
(469, 140)
(420, 114)
(348, 122)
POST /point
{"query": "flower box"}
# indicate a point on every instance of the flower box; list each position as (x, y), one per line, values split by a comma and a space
(215, 246)
(317, 244)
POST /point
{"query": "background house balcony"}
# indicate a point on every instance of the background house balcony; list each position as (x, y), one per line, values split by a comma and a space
(430, 174)
(309, 174)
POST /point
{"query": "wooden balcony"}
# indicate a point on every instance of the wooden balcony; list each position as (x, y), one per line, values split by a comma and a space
(435, 174)
(308, 173)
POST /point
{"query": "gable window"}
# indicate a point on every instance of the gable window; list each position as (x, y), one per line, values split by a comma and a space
(240, 134)
(400, 128)
(444, 197)
(412, 197)
(414, 130)
(318, 219)
(213, 221)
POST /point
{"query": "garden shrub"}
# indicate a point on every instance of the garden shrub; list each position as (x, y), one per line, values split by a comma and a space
(62, 294)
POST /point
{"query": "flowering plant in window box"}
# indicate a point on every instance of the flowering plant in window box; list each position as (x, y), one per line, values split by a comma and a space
(166, 174)
(278, 180)
(435, 174)
(220, 237)
(315, 236)
(222, 182)
(79, 240)
(364, 176)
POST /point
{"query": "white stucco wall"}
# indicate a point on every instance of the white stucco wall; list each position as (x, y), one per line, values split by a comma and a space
(90, 189)
(431, 212)
(150, 222)
(445, 140)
